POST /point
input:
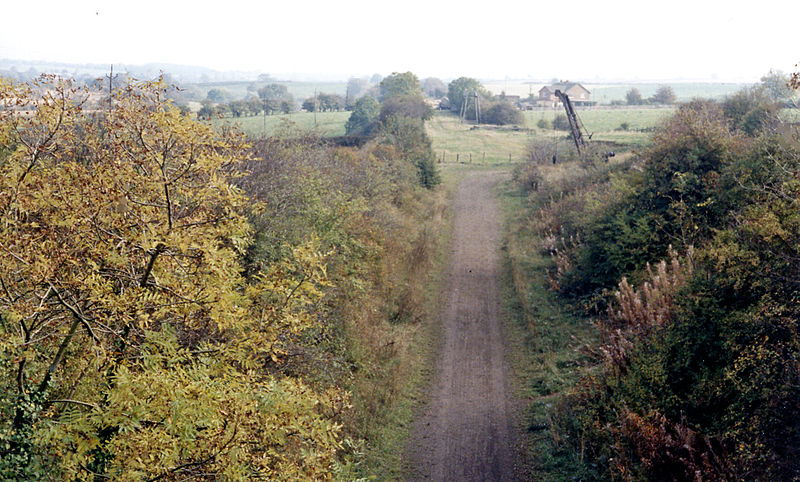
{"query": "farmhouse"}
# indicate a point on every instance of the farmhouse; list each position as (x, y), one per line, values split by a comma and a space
(578, 94)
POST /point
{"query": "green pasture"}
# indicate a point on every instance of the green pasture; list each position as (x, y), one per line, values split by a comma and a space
(605, 124)
(598, 119)
(328, 124)
(454, 141)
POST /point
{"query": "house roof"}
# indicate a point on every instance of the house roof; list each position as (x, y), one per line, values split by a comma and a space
(563, 87)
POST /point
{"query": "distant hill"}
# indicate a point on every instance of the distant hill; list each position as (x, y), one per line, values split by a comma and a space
(27, 69)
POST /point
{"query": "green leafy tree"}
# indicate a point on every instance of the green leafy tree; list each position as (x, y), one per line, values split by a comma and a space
(399, 84)
(634, 97)
(433, 87)
(459, 89)
(218, 95)
(238, 108)
(778, 87)
(273, 96)
(364, 116)
(356, 87)
(664, 95)
(408, 105)
(255, 106)
(502, 113)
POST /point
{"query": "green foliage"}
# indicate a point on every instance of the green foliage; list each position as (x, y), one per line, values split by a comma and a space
(434, 88)
(560, 122)
(406, 105)
(408, 135)
(218, 95)
(750, 110)
(458, 90)
(399, 84)
(698, 360)
(179, 305)
(664, 95)
(275, 97)
(634, 97)
(363, 117)
(778, 88)
(502, 113)
(323, 102)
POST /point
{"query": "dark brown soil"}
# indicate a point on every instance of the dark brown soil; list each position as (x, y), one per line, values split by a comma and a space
(467, 431)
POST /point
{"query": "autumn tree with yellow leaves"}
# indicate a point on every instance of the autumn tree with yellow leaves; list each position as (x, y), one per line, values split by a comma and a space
(131, 345)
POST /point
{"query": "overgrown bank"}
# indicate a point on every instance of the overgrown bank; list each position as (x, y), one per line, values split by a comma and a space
(681, 259)
(180, 303)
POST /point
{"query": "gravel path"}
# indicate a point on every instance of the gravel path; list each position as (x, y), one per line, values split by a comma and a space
(467, 431)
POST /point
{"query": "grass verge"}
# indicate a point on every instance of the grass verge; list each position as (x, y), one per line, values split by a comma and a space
(408, 373)
(546, 341)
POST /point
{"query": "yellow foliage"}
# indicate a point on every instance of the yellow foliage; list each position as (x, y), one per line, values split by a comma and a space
(132, 345)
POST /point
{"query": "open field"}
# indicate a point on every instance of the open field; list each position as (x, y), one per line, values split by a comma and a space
(491, 145)
(608, 92)
(328, 123)
(450, 138)
(605, 124)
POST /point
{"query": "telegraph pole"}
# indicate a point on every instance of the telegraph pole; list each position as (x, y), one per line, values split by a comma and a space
(477, 107)
(110, 86)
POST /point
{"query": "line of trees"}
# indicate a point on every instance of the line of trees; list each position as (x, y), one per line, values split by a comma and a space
(664, 95)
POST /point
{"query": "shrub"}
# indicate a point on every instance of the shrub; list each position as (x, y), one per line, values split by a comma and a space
(560, 122)
(502, 113)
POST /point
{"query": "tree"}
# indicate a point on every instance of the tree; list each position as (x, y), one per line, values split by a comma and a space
(356, 87)
(778, 87)
(238, 108)
(433, 87)
(560, 122)
(273, 95)
(255, 106)
(207, 111)
(664, 95)
(633, 97)
(408, 105)
(218, 95)
(362, 119)
(750, 110)
(330, 102)
(502, 113)
(459, 90)
(132, 347)
(399, 84)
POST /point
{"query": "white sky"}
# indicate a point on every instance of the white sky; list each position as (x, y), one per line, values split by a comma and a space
(580, 40)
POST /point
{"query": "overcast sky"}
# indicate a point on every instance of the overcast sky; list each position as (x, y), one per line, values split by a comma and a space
(578, 40)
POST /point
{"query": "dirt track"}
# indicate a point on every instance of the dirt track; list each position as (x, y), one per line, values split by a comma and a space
(467, 431)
